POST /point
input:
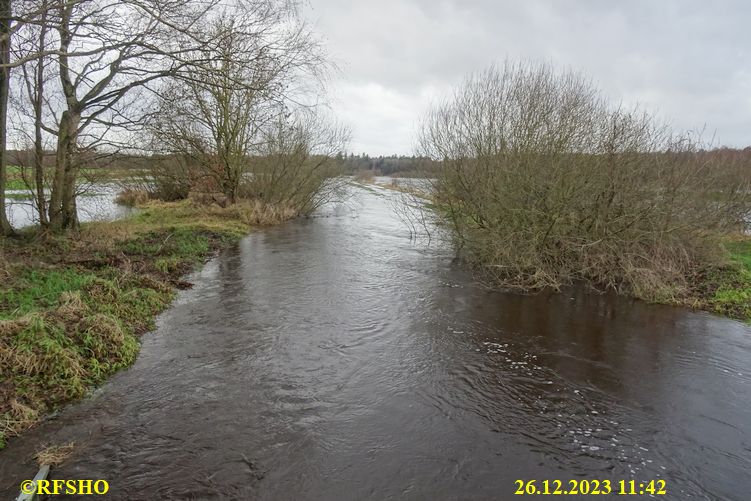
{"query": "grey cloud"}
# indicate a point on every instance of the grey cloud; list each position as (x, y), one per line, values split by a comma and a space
(689, 60)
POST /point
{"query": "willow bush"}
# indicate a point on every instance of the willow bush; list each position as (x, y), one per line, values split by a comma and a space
(543, 183)
(295, 165)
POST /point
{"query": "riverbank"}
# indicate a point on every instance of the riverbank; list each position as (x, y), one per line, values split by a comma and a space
(724, 289)
(72, 307)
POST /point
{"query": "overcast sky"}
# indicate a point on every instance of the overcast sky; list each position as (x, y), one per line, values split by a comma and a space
(688, 59)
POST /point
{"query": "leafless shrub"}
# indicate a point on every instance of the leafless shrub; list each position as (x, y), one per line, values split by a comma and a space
(296, 165)
(172, 178)
(543, 183)
(237, 126)
(409, 207)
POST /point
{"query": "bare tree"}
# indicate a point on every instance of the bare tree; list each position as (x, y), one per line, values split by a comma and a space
(236, 62)
(543, 183)
(218, 115)
(34, 79)
(296, 166)
(108, 49)
(105, 52)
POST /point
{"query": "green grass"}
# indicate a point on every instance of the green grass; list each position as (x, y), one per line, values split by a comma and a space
(73, 306)
(740, 252)
(19, 196)
(226, 224)
(16, 172)
(32, 289)
(730, 287)
(15, 180)
(15, 184)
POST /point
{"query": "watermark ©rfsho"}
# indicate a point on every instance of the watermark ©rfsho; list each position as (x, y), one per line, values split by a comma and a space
(70, 487)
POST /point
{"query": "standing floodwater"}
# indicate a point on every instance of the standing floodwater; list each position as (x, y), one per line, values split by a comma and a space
(333, 358)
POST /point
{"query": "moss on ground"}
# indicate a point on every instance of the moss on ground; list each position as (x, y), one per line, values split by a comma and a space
(73, 306)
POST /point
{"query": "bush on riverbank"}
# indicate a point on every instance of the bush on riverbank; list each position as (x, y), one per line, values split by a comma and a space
(543, 183)
(72, 307)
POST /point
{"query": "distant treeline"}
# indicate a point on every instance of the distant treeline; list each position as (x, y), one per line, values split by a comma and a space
(399, 165)
(93, 160)
(729, 155)
(380, 165)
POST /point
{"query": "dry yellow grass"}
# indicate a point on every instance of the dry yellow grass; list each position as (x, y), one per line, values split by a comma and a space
(19, 417)
(132, 198)
(54, 455)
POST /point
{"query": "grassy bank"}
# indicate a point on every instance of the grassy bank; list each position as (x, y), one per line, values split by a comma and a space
(72, 307)
(726, 290)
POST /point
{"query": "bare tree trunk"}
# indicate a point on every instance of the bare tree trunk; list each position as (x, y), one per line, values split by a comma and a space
(62, 202)
(230, 181)
(68, 199)
(38, 144)
(5, 15)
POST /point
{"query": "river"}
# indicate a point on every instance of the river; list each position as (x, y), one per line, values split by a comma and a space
(336, 358)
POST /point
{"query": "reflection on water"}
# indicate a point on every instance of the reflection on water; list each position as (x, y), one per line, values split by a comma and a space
(97, 204)
(333, 358)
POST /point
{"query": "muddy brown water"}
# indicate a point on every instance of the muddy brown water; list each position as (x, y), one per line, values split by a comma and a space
(334, 358)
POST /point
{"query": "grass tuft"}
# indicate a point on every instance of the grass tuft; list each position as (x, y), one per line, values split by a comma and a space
(54, 455)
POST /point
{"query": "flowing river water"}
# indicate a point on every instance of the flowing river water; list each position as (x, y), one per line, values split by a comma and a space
(335, 358)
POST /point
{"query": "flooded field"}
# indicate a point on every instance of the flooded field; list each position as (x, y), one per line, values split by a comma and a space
(96, 204)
